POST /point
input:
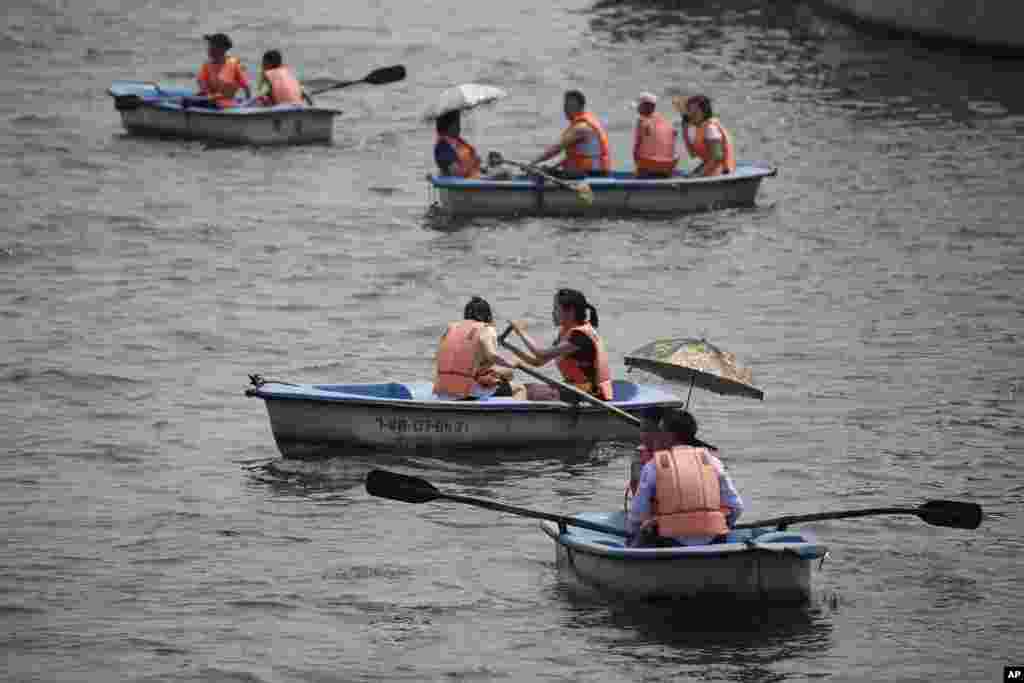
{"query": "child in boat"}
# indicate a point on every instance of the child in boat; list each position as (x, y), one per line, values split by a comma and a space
(278, 84)
(684, 496)
(221, 77)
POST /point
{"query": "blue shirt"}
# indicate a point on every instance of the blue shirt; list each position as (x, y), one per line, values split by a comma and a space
(640, 506)
(444, 156)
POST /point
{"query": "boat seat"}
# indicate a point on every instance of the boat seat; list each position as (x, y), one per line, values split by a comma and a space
(382, 390)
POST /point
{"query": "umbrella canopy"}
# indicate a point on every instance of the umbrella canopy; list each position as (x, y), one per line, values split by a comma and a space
(696, 362)
(463, 97)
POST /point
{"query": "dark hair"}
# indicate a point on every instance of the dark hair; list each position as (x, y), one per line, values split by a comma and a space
(578, 96)
(218, 40)
(447, 120)
(684, 426)
(570, 298)
(478, 309)
(704, 103)
(272, 58)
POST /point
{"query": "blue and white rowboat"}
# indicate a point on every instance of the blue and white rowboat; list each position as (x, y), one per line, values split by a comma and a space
(310, 418)
(619, 193)
(752, 564)
(149, 109)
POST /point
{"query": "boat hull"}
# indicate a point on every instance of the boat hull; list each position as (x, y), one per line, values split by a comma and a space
(310, 420)
(620, 193)
(160, 113)
(754, 565)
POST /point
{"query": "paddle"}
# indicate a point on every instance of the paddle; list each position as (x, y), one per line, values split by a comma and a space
(617, 412)
(415, 490)
(582, 190)
(387, 74)
(935, 512)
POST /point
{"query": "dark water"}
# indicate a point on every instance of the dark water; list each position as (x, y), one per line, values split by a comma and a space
(150, 529)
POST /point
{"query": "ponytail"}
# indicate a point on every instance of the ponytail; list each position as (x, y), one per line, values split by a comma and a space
(593, 315)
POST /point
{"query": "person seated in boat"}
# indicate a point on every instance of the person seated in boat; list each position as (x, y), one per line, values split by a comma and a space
(584, 142)
(467, 364)
(654, 141)
(578, 349)
(684, 496)
(705, 137)
(453, 155)
(278, 84)
(220, 78)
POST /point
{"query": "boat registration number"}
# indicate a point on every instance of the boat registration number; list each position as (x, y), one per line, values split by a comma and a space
(422, 425)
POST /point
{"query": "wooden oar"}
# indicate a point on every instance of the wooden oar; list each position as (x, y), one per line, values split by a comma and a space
(617, 412)
(583, 191)
(935, 512)
(415, 490)
(387, 74)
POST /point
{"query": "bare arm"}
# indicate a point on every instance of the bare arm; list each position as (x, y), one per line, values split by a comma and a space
(534, 354)
(568, 139)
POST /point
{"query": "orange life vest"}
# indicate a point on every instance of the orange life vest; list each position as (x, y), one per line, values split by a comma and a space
(284, 87)
(687, 497)
(596, 380)
(701, 149)
(467, 160)
(220, 82)
(591, 154)
(654, 146)
(457, 370)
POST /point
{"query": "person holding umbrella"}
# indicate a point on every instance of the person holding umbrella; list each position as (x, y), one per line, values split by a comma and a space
(453, 155)
(684, 495)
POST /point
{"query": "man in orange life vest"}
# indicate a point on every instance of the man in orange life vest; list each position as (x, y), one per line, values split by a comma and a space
(468, 365)
(705, 137)
(221, 77)
(579, 351)
(584, 142)
(453, 155)
(278, 84)
(684, 496)
(654, 142)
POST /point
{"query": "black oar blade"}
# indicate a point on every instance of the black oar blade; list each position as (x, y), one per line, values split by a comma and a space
(388, 74)
(951, 513)
(400, 487)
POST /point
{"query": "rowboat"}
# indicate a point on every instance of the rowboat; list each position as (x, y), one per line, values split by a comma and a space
(620, 192)
(751, 564)
(313, 419)
(150, 109)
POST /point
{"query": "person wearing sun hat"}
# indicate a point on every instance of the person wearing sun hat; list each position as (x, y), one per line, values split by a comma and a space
(221, 77)
(654, 141)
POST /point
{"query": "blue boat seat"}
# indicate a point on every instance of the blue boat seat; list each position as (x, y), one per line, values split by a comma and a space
(383, 390)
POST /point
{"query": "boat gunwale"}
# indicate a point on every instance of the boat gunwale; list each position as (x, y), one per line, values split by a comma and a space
(597, 184)
(805, 551)
(438, 405)
(249, 112)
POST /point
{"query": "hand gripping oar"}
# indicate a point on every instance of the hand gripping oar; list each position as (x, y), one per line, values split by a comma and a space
(387, 74)
(582, 190)
(617, 412)
(935, 512)
(408, 489)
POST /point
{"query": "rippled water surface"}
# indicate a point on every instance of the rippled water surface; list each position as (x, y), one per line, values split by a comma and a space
(153, 532)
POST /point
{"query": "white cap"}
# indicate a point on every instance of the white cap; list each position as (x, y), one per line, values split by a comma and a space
(647, 97)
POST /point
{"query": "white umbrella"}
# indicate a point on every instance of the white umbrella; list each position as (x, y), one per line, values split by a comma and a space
(463, 97)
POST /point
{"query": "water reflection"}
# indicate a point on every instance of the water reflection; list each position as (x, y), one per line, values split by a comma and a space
(752, 637)
(804, 56)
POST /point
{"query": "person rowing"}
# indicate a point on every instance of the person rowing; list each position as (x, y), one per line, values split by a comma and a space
(584, 142)
(467, 365)
(578, 349)
(684, 495)
(278, 84)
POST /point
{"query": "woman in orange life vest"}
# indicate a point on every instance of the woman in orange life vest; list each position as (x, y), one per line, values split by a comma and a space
(467, 364)
(221, 77)
(584, 142)
(580, 352)
(684, 494)
(654, 142)
(278, 84)
(705, 137)
(453, 155)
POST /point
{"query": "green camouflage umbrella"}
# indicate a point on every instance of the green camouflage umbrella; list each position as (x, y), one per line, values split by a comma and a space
(697, 362)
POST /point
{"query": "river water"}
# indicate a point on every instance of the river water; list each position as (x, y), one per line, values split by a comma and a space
(152, 531)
